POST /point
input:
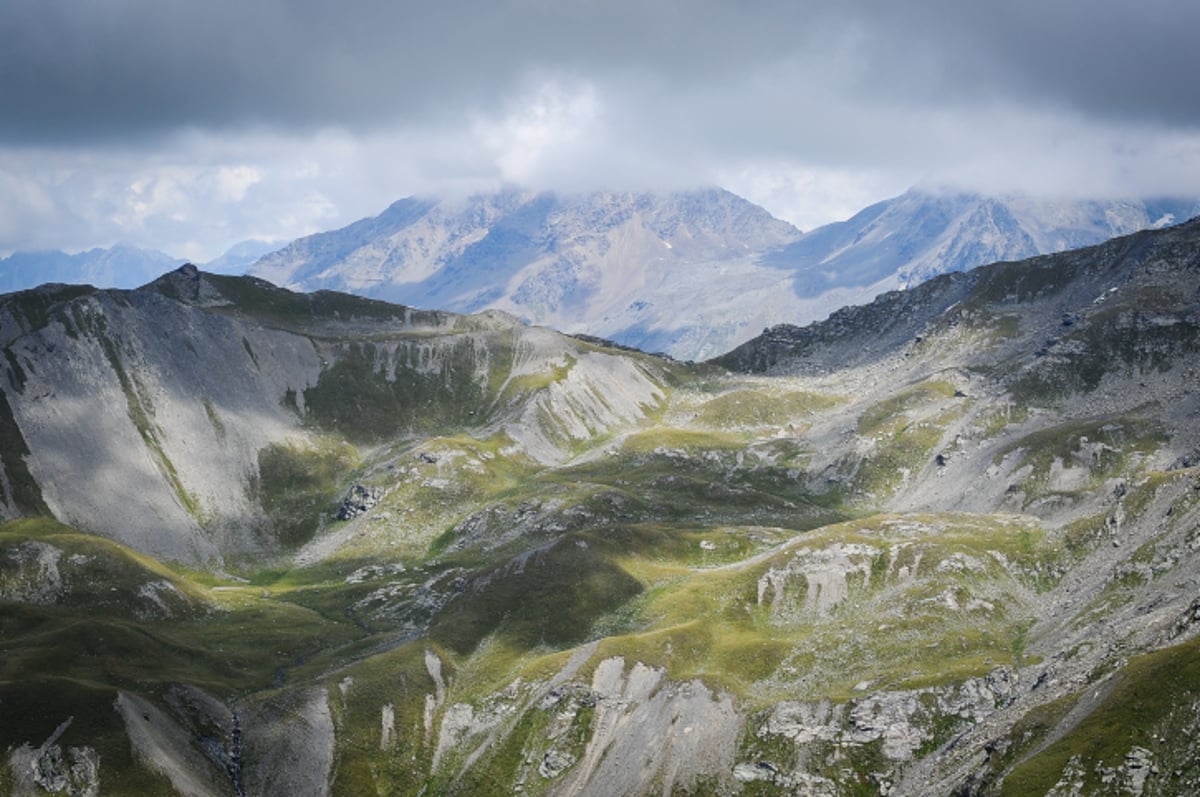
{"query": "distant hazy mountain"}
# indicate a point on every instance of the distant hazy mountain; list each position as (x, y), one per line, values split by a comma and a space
(692, 274)
(240, 257)
(906, 240)
(676, 272)
(119, 267)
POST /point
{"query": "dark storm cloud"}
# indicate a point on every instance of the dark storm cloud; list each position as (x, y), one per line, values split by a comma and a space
(1111, 60)
(74, 70)
(187, 126)
(78, 71)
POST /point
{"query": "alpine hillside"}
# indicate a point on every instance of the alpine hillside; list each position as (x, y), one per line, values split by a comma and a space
(948, 543)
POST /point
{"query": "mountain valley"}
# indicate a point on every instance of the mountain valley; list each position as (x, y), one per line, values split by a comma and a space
(264, 542)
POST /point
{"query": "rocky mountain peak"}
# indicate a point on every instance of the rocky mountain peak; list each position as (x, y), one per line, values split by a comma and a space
(657, 270)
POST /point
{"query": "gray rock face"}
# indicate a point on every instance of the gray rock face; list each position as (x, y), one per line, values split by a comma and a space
(168, 746)
(359, 501)
(74, 771)
(648, 730)
(30, 573)
(159, 410)
(289, 745)
(899, 723)
(142, 415)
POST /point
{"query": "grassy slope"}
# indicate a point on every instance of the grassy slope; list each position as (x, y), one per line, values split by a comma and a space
(651, 563)
(1151, 704)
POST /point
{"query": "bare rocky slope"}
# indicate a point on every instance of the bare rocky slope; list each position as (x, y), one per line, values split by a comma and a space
(944, 544)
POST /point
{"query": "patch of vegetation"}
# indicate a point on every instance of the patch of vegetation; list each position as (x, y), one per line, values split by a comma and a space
(364, 764)
(105, 628)
(1135, 343)
(213, 418)
(43, 702)
(297, 311)
(1026, 734)
(494, 773)
(36, 308)
(995, 420)
(440, 485)
(526, 384)
(898, 455)
(435, 389)
(709, 623)
(24, 493)
(1003, 327)
(756, 408)
(97, 575)
(1081, 536)
(698, 478)
(1104, 448)
(887, 413)
(1120, 340)
(1019, 283)
(16, 374)
(299, 485)
(684, 441)
(1142, 709)
(253, 356)
(250, 644)
(548, 597)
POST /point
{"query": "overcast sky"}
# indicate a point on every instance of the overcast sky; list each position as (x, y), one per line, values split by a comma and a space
(188, 126)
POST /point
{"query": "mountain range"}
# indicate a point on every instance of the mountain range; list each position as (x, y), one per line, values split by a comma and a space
(690, 274)
(120, 266)
(264, 542)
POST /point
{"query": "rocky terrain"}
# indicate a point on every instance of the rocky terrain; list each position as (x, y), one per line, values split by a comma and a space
(948, 543)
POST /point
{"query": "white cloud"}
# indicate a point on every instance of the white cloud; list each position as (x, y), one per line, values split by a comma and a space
(809, 196)
(234, 181)
(812, 110)
(543, 128)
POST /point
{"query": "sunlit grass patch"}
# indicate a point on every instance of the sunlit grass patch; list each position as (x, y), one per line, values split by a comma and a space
(758, 407)
(1151, 705)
